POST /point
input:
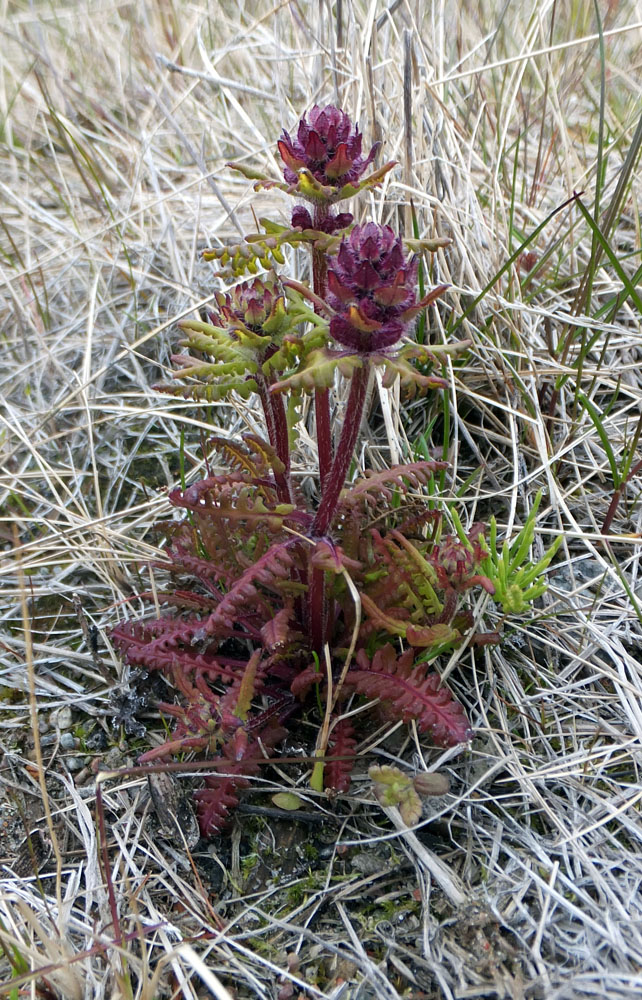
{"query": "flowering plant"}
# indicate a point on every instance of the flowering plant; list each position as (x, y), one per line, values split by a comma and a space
(279, 605)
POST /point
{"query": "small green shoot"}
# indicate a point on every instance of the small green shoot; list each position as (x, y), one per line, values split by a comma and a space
(394, 788)
(517, 581)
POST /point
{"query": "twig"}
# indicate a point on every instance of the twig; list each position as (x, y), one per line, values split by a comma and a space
(216, 81)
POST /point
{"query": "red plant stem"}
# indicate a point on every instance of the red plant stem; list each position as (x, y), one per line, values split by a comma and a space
(617, 496)
(277, 429)
(338, 471)
(317, 611)
(282, 445)
(317, 598)
(102, 837)
(324, 436)
(321, 396)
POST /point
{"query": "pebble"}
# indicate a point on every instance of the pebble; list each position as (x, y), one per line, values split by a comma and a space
(113, 759)
(368, 863)
(66, 740)
(97, 741)
(61, 718)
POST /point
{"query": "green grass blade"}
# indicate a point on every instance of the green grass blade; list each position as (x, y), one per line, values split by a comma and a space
(603, 436)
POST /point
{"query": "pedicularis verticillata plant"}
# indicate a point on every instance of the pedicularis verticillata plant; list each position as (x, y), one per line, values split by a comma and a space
(282, 604)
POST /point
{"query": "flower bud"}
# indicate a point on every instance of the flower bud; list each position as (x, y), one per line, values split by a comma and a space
(457, 564)
(431, 783)
(257, 305)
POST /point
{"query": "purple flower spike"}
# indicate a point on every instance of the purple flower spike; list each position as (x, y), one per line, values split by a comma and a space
(328, 145)
(372, 286)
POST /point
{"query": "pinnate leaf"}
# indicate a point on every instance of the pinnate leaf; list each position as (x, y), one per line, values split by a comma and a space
(342, 744)
(269, 571)
(410, 692)
(318, 372)
(400, 477)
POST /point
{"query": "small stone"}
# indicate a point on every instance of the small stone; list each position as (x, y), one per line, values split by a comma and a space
(75, 763)
(368, 863)
(61, 718)
(113, 759)
(97, 741)
(68, 741)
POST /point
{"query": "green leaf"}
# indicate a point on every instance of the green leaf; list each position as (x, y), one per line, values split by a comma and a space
(372, 180)
(249, 172)
(210, 393)
(287, 800)
(517, 581)
(411, 379)
(605, 441)
(318, 373)
(246, 689)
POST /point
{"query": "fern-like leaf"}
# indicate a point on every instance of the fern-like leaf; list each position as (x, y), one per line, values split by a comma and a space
(209, 392)
(244, 503)
(383, 485)
(409, 692)
(342, 744)
(244, 258)
(166, 644)
(318, 372)
(271, 571)
(305, 680)
(438, 637)
(241, 757)
(216, 800)
(180, 559)
(277, 632)
(411, 379)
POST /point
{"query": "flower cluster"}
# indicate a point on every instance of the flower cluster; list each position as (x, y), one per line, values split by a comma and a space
(457, 563)
(371, 285)
(255, 305)
(328, 145)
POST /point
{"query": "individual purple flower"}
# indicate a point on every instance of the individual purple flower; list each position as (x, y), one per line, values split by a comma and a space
(372, 287)
(328, 145)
